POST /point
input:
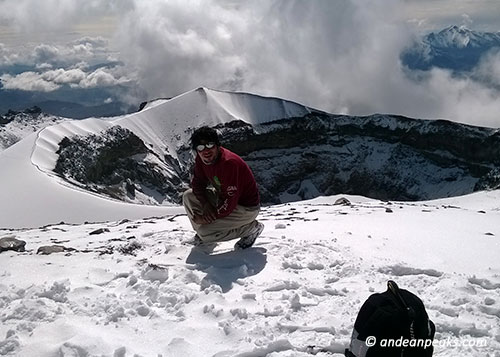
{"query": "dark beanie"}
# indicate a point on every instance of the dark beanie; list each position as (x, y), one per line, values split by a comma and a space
(205, 134)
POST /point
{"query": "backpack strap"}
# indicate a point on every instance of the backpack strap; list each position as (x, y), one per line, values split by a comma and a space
(394, 289)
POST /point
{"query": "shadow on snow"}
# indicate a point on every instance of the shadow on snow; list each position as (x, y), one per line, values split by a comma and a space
(223, 269)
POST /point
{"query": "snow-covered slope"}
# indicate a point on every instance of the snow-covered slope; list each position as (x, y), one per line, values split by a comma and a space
(169, 124)
(141, 288)
(29, 182)
(30, 197)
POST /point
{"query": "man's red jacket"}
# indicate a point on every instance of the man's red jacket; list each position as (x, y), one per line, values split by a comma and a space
(231, 177)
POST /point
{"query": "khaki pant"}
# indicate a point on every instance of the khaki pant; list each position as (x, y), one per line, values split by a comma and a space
(237, 224)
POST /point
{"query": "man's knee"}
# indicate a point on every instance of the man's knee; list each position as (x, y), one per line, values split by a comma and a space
(188, 198)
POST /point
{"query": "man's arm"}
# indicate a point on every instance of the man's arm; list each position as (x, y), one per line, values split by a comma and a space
(199, 184)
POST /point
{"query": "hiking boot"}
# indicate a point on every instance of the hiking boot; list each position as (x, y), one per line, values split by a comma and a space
(249, 240)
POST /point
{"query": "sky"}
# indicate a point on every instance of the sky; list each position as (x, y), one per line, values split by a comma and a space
(341, 56)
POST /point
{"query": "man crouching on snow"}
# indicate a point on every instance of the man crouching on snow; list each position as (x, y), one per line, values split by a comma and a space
(224, 201)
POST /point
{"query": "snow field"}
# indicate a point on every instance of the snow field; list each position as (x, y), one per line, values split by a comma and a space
(142, 289)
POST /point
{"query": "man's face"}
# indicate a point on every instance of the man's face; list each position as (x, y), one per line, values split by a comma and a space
(208, 152)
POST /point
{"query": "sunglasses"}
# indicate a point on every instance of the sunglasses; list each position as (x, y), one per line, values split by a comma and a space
(202, 147)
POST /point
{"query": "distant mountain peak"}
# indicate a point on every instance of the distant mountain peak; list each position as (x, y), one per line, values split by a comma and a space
(456, 36)
(456, 28)
(461, 37)
(457, 48)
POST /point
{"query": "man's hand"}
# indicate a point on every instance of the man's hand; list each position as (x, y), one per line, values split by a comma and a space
(209, 215)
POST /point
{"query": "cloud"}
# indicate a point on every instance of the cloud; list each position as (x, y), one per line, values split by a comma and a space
(43, 66)
(176, 46)
(84, 49)
(488, 70)
(88, 48)
(431, 15)
(28, 81)
(88, 51)
(101, 78)
(45, 53)
(340, 56)
(50, 16)
(7, 57)
(464, 99)
(313, 52)
(96, 42)
(52, 80)
(62, 76)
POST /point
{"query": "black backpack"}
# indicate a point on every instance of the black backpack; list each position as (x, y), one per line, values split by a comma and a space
(392, 324)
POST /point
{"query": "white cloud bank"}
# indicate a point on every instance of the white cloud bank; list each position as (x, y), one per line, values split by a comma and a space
(51, 80)
(338, 55)
(89, 50)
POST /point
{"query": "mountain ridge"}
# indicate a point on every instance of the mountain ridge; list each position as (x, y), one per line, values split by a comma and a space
(461, 36)
(296, 152)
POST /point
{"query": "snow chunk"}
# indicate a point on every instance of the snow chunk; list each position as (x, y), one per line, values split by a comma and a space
(284, 285)
(276, 346)
(484, 283)
(57, 291)
(399, 270)
(155, 273)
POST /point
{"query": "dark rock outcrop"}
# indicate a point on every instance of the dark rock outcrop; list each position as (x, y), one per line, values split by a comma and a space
(26, 115)
(50, 249)
(99, 231)
(11, 243)
(116, 164)
(378, 156)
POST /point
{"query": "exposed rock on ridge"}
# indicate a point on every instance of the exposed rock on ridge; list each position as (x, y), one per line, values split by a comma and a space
(386, 157)
(379, 156)
(117, 164)
(14, 126)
